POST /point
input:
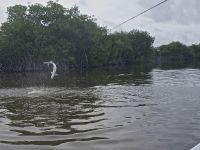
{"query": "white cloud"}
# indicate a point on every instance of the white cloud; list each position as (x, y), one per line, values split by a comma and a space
(7, 3)
(180, 11)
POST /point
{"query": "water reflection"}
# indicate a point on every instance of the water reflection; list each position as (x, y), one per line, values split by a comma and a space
(138, 74)
(69, 105)
(65, 113)
(48, 110)
(177, 65)
(133, 108)
(58, 114)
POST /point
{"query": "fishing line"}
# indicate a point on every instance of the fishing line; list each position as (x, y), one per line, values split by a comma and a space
(138, 14)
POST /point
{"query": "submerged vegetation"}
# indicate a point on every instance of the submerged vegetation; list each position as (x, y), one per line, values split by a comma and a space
(36, 33)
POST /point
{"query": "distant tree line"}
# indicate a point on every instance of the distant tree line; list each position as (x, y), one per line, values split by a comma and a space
(176, 51)
(36, 33)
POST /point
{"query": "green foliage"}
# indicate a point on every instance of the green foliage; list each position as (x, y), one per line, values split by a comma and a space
(36, 33)
(141, 42)
(175, 51)
(128, 47)
(195, 49)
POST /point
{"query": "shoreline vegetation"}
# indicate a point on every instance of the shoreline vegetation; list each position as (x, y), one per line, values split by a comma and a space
(36, 33)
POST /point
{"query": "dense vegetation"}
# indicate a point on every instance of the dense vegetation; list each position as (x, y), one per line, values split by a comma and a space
(176, 51)
(36, 33)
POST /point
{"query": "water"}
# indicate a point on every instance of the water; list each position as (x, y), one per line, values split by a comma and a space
(140, 108)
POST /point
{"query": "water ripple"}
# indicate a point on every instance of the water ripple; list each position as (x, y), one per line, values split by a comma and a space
(157, 109)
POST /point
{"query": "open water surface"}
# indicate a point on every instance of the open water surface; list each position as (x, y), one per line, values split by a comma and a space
(109, 109)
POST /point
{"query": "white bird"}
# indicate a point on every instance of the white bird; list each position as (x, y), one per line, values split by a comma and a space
(53, 73)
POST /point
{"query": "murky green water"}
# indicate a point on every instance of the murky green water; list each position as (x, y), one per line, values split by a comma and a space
(130, 108)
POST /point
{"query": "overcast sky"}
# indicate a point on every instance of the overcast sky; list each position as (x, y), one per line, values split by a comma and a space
(175, 20)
